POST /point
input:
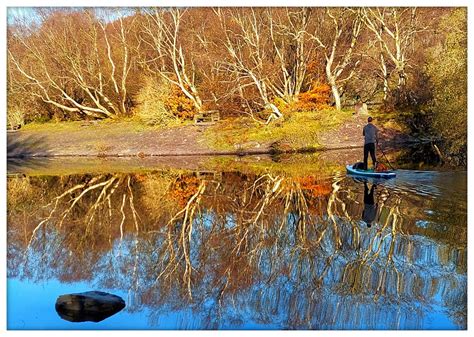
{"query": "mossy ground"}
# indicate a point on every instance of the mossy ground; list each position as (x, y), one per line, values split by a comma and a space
(107, 126)
(297, 130)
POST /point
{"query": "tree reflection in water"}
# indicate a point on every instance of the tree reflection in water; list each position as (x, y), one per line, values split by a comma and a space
(292, 251)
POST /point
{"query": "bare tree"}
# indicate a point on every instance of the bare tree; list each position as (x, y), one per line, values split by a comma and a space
(288, 34)
(339, 47)
(162, 32)
(63, 62)
(244, 41)
(395, 30)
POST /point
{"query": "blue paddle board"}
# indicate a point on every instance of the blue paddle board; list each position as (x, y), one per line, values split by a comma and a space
(370, 173)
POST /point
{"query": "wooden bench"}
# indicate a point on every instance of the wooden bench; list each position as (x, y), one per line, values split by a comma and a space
(206, 117)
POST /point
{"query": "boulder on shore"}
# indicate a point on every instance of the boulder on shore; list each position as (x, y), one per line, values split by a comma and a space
(93, 306)
(361, 109)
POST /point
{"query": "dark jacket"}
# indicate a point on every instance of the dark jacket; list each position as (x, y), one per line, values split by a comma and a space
(370, 132)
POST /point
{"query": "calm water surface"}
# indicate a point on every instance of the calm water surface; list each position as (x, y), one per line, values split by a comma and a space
(241, 249)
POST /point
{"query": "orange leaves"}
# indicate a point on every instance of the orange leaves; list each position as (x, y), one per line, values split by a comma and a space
(183, 189)
(314, 186)
(140, 177)
(179, 105)
(317, 98)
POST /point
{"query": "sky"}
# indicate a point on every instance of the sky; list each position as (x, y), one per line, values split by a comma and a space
(27, 14)
(20, 13)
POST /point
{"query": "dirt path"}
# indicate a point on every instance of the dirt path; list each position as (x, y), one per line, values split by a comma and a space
(349, 135)
(186, 140)
(124, 140)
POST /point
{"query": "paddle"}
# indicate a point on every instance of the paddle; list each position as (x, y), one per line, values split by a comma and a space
(388, 161)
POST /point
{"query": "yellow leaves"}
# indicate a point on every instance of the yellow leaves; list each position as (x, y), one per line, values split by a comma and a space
(161, 103)
(447, 70)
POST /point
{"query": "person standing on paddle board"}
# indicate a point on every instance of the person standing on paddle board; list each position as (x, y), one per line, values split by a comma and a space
(370, 133)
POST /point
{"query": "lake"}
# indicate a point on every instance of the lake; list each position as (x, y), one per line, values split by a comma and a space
(236, 243)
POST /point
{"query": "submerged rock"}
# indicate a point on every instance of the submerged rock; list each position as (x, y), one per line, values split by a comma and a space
(93, 306)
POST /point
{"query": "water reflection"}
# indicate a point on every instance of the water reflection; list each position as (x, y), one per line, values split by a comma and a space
(370, 206)
(242, 250)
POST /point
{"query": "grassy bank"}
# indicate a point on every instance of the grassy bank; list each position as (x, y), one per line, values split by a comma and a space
(297, 130)
(112, 126)
(131, 137)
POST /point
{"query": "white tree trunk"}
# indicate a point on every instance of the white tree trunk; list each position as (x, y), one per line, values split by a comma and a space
(336, 96)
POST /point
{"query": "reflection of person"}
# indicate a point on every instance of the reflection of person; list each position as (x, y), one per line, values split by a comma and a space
(370, 133)
(370, 207)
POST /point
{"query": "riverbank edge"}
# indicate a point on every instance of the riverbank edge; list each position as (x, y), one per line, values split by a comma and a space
(125, 140)
(270, 151)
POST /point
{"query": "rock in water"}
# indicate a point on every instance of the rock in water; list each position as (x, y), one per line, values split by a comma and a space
(93, 306)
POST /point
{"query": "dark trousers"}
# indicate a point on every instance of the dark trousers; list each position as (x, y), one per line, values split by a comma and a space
(369, 148)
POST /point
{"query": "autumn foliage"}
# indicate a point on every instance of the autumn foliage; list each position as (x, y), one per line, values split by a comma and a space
(183, 189)
(314, 187)
(316, 98)
(74, 63)
(178, 104)
(90, 63)
(160, 103)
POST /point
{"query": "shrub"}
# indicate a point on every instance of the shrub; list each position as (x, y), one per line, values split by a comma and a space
(161, 103)
(447, 70)
(15, 118)
(317, 98)
(178, 104)
(151, 103)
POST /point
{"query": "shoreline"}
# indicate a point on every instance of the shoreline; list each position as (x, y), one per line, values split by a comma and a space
(206, 153)
(131, 140)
